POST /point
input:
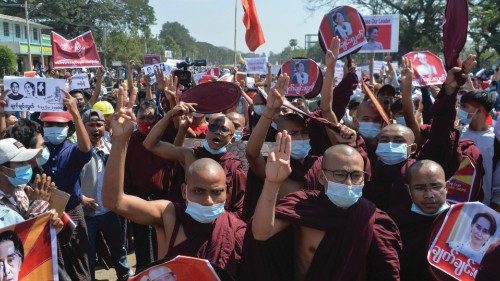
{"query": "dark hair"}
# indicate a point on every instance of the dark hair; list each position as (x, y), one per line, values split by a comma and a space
(25, 131)
(371, 29)
(487, 100)
(10, 235)
(488, 217)
(147, 104)
(397, 105)
(31, 85)
(14, 83)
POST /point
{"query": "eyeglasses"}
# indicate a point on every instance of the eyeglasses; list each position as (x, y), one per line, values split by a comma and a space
(357, 177)
(222, 129)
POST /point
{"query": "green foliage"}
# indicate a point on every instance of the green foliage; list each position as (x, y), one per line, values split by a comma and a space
(293, 43)
(180, 34)
(8, 61)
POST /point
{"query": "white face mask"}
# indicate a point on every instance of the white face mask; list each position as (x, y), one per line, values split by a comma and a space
(463, 116)
(300, 149)
(392, 153)
(342, 195)
(259, 109)
(401, 120)
(55, 135)
(417, 210)
(204, 214)
(369, 130)
(214, 151)
(44, 157)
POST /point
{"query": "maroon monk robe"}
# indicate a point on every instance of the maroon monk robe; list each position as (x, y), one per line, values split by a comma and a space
(357, 240)
(148, 175)
(415, 230)
(304, 172)
(387, 187)
(490, 265)
(220, 242)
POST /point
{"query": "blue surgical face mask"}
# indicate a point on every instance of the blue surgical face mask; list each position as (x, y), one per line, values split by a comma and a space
(22, 177)
(214, 151)
(259, 109)
(55, 135)
(417, 210)
(300, 149)
(392, 153)
(238, 135)
(44, 157)
(369, 130)
(401, 120)
(463, 116)
(342, 195)
(204, 214)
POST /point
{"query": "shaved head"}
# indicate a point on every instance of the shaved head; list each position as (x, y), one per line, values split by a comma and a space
(341, 151)
(340, 157)
(205, 167)
(221, 119)
(426, 183)
(424, 166)
(396, 129)
(205, 182)
(237, 119)
(367, 112)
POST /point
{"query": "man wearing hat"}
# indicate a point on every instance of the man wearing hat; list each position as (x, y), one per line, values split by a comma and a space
(64, 167)
(97, 217)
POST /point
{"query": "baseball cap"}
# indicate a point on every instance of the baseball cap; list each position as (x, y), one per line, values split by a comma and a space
(11, 150)
(87, 115)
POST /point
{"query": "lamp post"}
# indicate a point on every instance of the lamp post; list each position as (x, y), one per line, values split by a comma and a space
(30, 61)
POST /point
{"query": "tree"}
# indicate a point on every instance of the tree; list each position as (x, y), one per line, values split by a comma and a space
(484, 28)
(316, 53)
(180, 34)
(293, 43)
(8, 61)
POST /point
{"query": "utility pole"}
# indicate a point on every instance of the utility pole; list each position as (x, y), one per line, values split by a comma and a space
(30, 62)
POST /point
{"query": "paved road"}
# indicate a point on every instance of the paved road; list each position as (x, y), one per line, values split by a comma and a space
(110, 274)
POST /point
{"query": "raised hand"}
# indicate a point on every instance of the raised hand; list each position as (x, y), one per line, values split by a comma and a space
(458, 75)
(276, 97)
(407, 73)
(181, 109)
(123, 121)
(41, 188)
(171, 86)
(346, 135)
(100, 73)
(3, 100)
(185, 120)
(160, 79)
(70, 103)
(278, 163)
(332, 53)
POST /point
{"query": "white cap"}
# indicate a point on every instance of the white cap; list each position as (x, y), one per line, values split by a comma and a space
(11, 150)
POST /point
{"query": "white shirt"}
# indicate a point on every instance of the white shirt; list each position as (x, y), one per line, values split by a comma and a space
(344, 30)
(484, 141)
(466, 249)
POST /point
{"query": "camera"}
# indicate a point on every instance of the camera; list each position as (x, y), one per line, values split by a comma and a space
(183, 65)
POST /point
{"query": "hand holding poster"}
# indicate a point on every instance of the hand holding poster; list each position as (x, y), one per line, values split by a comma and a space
(463, 238)
(75, 53)
(180, 268)
(346, 23)
(30, 248)
(382, 34)
(34, 94)
(79, 81)
(149, 70)
(428, 68)
(256, 65)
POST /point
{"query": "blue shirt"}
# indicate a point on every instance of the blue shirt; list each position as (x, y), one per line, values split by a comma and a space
(64, 167)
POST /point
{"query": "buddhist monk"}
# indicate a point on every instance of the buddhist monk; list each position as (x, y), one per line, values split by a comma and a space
(199, 228)
(331, 234)
(239, 124)
(220, 133)
(426, 184)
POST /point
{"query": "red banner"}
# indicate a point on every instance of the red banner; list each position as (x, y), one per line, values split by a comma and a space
(32, 246)
(78, 52)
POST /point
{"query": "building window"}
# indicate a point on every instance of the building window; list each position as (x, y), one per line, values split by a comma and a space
(18, 31)
(35, 34)
(6, 31)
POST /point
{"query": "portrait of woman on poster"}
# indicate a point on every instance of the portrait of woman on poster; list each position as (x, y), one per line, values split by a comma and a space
(482, 227)
(342, 28)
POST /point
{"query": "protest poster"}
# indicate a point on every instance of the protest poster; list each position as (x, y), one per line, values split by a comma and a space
(346, 23)
(275, 69)
(34, 94)
(180, 268)
(256, 65)
(428, 68)
(150, 59)
(149, 70)
(382, 34)
(78, 52)
(32, 246)
(304, 77)
(460, 185)
(461, 240)
(79, 81)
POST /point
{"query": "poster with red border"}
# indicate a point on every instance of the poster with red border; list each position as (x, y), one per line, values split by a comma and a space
(382, 34)
(463, 238)
(180, 268)
(151, 59)
(303, 75)
(78, 52)
(39, 248)
(346, 23)
(428, 69)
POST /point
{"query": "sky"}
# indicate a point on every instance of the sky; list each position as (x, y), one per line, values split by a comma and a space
(212, 21)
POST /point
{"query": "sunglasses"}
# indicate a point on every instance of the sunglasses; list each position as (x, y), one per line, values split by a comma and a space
(214, 128)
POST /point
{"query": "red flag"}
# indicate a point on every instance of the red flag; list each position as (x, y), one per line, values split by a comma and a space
(254, 35)
(456, 23)
(78, 52)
